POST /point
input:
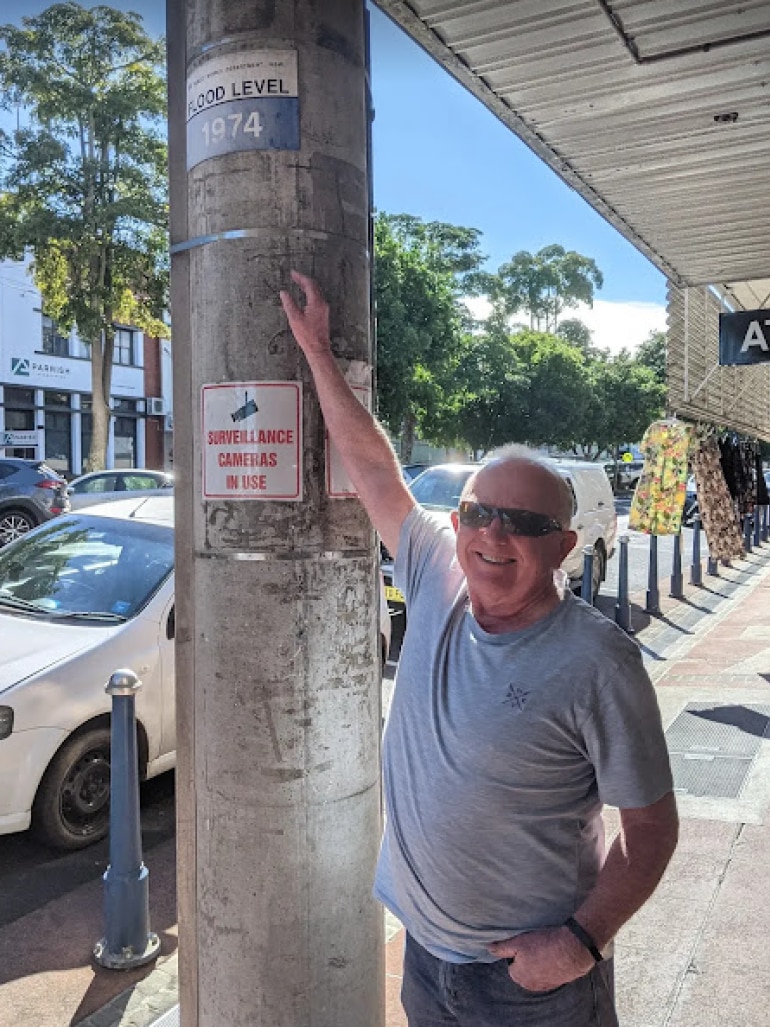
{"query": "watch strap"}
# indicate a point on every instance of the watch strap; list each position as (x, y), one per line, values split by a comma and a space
(584, 938)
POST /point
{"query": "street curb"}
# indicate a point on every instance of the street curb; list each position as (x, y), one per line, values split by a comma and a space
(144, 1003)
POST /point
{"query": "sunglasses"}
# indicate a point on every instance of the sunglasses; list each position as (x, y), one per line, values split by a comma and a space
(515, 522)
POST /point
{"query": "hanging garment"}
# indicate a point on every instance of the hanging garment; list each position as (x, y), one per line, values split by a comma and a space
(739, 467)
(763, 498)
(715, 505)
(659, 498)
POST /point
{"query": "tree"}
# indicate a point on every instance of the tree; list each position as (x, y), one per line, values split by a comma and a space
(576, 333)
(83, 184)
(626, 398)
(558, 390)
(419, 335)
(545, 284)
(444, 247)
(652, 354)
(491, 391)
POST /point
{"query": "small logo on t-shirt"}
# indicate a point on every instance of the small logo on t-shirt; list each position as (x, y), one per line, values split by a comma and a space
(516, 697)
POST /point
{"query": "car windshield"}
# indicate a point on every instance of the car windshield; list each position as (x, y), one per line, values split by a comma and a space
(86, 568)
(440, 488)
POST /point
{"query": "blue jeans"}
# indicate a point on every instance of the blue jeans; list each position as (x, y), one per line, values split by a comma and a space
(439, 994)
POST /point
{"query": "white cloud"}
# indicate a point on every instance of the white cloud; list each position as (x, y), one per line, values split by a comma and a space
(615, 325)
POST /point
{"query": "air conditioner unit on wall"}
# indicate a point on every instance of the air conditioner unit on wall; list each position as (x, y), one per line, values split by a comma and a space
(155, 406)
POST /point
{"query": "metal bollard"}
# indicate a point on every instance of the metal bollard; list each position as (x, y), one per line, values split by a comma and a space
(712, 567)
(766, 524)
(587, 584)
(757, 527)
(696, 569)
(747, 534)
(677, 582)
(623, 606)
(653, 592)
(128, 941)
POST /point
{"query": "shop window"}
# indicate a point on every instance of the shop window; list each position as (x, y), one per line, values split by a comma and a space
(55, 341)
(19, 397)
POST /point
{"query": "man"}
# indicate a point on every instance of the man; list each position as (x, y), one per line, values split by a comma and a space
(518, 711)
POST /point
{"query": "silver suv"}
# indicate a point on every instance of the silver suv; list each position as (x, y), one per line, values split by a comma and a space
(30, 493)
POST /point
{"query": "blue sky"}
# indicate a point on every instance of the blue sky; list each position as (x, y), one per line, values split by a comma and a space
(439, 154)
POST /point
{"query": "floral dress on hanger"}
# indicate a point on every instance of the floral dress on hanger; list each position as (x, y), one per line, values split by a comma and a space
(715, 504)
(658, 502)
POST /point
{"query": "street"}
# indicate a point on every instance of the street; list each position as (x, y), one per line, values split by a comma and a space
(32, 875)
(639, 556)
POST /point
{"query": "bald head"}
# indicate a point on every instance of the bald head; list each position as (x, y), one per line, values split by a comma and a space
(526, 483)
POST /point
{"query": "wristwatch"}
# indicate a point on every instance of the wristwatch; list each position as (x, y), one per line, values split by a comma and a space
(584, 938)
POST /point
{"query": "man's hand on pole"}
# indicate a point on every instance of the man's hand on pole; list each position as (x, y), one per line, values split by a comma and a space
(310, 326)
(362, 444)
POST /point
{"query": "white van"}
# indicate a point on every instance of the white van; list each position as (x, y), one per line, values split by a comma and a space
(594, 518)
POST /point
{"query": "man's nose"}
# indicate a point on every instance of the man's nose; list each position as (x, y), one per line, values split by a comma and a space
(495, 528)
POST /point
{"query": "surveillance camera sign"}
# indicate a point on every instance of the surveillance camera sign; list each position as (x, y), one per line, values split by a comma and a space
(252, 440)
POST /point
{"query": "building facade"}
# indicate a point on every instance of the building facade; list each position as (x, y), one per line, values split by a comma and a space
(45, 387)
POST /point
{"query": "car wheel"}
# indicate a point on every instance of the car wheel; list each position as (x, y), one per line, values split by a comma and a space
(14, 524)
(72, 806)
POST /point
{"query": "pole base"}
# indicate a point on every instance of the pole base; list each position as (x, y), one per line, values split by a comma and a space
(127, 959)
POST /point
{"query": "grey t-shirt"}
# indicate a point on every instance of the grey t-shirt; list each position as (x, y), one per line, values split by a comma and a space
(499, 752)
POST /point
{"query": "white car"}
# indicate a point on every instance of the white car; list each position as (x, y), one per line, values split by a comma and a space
(594, 517)
(118, 483)
(80, 597)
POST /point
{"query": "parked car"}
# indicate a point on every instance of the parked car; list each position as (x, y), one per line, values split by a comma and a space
(629, 473)
(410, 471)
(104, 486)
(594, 518)
(30, 493)
(80, 597)
(690, 502)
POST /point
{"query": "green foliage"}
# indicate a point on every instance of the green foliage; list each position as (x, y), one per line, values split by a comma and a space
(578, 334)
(417, 272)
(83, 184)
(652, 354)
(537, 389)
(490, 386)
(545, 284)
(443, 247)
(626, 398)
(491, 389)
(558, 389)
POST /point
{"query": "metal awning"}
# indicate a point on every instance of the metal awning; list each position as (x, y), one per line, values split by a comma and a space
(656, 111)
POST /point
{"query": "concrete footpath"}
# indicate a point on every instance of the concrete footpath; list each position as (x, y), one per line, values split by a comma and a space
(693, 957)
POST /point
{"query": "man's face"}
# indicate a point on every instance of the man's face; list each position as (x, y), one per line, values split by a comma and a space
(508, 573)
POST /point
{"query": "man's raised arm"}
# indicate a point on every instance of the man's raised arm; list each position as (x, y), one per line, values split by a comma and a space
(362, 444)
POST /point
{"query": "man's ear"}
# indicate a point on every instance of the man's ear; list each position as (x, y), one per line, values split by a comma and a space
(568, 542)
(455, 520)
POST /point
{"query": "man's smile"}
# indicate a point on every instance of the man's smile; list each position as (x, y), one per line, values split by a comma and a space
(496, 559)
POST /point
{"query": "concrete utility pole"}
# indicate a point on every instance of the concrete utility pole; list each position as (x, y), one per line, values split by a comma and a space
(277, 655)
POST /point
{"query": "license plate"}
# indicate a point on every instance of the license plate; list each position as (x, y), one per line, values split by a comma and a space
(394, 595)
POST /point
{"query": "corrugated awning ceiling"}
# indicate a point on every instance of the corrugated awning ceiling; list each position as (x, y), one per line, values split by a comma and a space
(656, 111)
